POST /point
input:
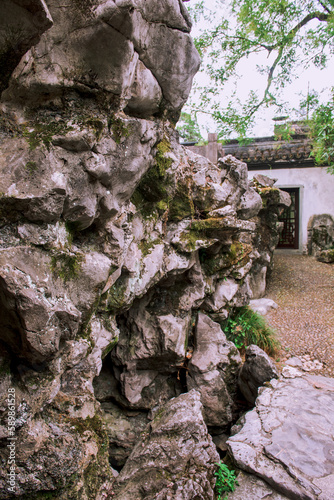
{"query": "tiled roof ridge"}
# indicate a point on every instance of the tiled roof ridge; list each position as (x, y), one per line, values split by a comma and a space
(263, 151)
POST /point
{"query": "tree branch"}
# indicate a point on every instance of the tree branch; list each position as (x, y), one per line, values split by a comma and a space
(290, 36)
(324, 6)
(269, 48)
(313, 15)
(280, 47)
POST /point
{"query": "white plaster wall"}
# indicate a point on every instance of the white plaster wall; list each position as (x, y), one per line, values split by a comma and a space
(316, 192)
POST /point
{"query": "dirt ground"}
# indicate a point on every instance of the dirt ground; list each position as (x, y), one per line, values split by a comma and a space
(303, 288)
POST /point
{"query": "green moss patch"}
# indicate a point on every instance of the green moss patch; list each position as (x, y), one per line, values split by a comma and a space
(116, 295)
(66, 265)
(146, 246)
(237, 254)
(31, 167)
(208, 224)
(182, 205)
(96, 125)
(153, 187)
(42, 132)
(118, 128)
(269, 195)
(109, 347)
(190, 239)
(162, 161)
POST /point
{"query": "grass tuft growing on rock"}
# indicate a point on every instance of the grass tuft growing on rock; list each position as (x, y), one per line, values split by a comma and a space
(246, 327)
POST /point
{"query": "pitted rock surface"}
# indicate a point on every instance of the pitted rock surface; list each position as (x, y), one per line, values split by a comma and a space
(119, 248)
(253, 488)
(174, 458)
(257, 369)
(287, 439)
(213, 370)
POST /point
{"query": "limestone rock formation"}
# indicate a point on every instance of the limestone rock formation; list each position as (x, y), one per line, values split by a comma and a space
(213, 370)
(174, 458)
(21, 25)
(320, 237)
(257, 369)
(252, 487)
(287, 440)
(119, 249)
(268, 230)
(121, 48)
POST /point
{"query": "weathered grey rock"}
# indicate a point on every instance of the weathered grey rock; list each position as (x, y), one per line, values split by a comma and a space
(284, 198)
(235, 180)
(287, 440)
(320, 237)
(144, 36)
(212, 371)
(112, 237)
(264, 180)
(263, 306)
(146, 94)
(257, 369)
(250, 204)
(305, 363)
(33, 19)
(103, 340)
(124, 429)
(267, 220)
(291, 372)
(34, 299)
(48, 235)
(295, 361)
(220, 441)
(174, 458)
(150, 348)
(224, 293)
(258, 281)
(255, 488)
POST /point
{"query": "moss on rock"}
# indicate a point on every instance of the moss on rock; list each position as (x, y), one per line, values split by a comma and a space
(41, 132)
(153, 187)
(237, 254)
(182, 205)
(66, 265)
(118, 128)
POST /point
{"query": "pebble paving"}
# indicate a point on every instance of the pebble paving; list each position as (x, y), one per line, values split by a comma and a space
(303, 288)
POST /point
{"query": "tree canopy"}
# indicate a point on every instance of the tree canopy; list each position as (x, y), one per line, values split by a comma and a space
(293, 34)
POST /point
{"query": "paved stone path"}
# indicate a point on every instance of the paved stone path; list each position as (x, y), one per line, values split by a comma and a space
(303, 288)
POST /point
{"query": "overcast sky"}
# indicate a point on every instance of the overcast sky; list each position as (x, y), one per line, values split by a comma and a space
(313, 78)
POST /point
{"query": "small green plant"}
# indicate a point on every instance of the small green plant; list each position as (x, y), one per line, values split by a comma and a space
(245, 327)
(226, 480)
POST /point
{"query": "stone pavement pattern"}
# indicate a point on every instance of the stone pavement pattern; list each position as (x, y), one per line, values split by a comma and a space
(288, 440)
(303, 288)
